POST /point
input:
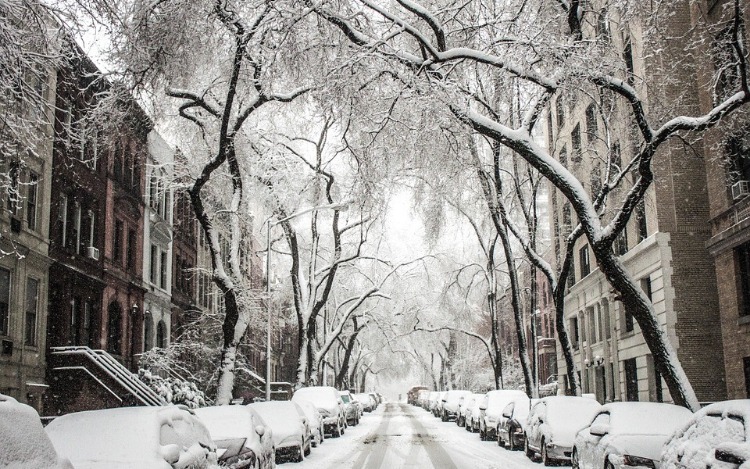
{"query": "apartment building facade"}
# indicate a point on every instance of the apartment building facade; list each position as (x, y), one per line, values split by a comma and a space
(25, 170)
(728, 183)
(663, 246)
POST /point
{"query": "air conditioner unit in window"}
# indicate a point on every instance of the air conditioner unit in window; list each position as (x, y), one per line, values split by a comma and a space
(93, 253)
(740, 189)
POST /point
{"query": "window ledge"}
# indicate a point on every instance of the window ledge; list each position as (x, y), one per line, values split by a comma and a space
(743, 320)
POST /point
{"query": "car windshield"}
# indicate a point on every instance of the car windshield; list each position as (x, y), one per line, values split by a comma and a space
(345, 398)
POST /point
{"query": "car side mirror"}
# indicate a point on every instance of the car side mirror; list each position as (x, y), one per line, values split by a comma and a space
(260, 430)
(482, 408)
(506, 415)
(170, 453)
(725, 452)
(599, 429)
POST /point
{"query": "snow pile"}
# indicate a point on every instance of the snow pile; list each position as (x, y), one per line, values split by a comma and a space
(717, 425)
(174, 390)
(23, 443)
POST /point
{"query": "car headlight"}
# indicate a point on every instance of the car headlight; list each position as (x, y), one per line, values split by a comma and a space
(629, 460)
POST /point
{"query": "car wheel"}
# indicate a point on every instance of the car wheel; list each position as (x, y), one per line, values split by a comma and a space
(444, 417)
(309, 449)
(574, 459)
(511, 441)
(527, 450)
(300, 454)
(482, 433)
(499, 440)
(609, 465)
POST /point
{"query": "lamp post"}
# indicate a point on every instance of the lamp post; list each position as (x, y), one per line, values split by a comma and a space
(340, 206)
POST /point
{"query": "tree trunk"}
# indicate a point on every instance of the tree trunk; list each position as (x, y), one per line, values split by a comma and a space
(638, 305)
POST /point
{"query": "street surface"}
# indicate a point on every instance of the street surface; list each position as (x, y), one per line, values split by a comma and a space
(402, 436)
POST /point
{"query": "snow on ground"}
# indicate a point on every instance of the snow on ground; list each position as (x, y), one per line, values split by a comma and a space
(404, 436)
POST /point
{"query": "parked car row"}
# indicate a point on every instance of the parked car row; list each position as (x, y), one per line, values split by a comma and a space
(587, 435)
(257, 435)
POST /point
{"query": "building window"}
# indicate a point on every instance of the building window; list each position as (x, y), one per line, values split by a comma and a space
(92, 227)
(77, 227)
(583, 255)
(114, 328)
(574, 337)
(4, 301)
(161, 335)
(746, 367)
(620, 246)
(560, 108)
(154, 263)
(32, 301)
(117, 249)
(738, 158)
(727, 63)
(640, 218)
(629, 322)
(75, 313)
(63, 217)
(163, 271)
(592, 127)
(132, 241)
(646, 287)
(575, 144)
(743, 260)
(631, 380)
(14, 194)
(31, 201)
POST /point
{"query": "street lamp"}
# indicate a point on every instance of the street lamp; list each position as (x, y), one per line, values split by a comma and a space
(339, 206)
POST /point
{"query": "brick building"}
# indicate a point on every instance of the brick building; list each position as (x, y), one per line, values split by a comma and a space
(728, 183)
(663, 246)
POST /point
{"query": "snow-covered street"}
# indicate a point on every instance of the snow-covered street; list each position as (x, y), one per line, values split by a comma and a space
(403, 436)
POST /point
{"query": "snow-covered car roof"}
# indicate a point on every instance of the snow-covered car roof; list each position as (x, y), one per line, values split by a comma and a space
(498, 399)
(23, 442)
(326, 397)
(284, 418)
(646, 418)
(127, 437)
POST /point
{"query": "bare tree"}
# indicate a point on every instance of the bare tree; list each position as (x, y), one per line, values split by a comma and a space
(540, 51)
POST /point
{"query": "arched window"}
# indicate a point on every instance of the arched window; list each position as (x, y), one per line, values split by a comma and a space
(148, 331)
(114, 328)
(161, 335)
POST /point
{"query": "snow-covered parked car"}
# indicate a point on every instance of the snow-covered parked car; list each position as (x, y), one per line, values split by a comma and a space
(243, 440)
(437, 409)
(510, 432)
(717, 437)
(627, 434)
(329, 404)
(23, 442)
(491, 411)
(291, 431)
(368, 403)
(422, 396)
(473, 414)
(350, 408)
(553, 424)
(465, 403)
(314, 421)
(432, 400)
(128, 437)
(451, 402)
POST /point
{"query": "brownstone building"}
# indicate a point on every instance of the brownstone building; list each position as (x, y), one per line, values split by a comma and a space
(728, 176)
